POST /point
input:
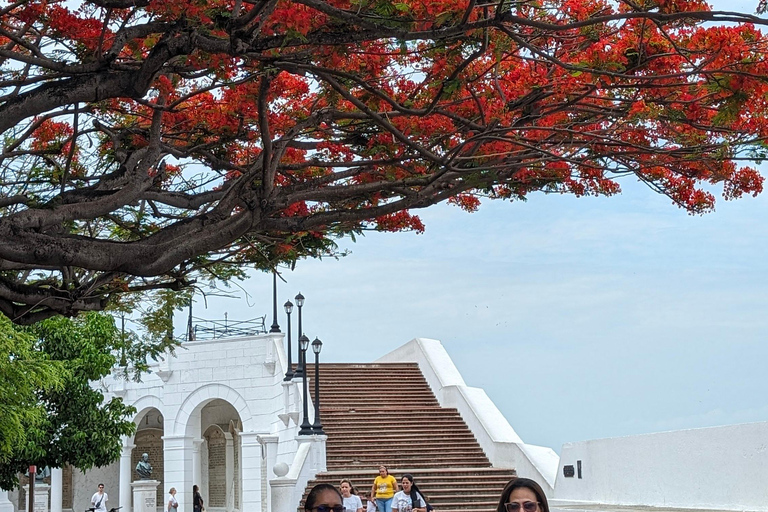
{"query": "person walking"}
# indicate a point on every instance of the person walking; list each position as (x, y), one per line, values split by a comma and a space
(352, 502)
(410, 498)
(384, 489)
(99, 500)
(197, 500)
(173, 504)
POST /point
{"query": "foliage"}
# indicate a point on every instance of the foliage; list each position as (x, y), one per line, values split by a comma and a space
(70, 422)
(23, 373)
(149, 144)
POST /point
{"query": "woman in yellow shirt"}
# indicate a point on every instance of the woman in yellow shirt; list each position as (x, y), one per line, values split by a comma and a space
(384, 489)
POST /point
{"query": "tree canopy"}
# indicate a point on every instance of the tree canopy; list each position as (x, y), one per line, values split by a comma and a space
(50, 414)
(148, 143)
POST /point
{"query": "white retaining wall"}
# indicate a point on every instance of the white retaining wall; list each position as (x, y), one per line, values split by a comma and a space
(496, 436)
(722, 468)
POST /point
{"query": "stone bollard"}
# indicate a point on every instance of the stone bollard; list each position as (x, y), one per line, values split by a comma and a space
(282, 490)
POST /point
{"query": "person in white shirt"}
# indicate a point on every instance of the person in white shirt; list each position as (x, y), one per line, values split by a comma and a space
(172, 503)
(352, 502)
(99, 500)
(409, 499)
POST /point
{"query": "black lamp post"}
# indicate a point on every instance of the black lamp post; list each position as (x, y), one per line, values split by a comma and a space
(306, 426)
(275, 327)
(317, 427)
(300, 367)
(289, 372)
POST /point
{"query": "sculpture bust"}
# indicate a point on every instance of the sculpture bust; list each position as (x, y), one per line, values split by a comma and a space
(144, 468)
(42, 474)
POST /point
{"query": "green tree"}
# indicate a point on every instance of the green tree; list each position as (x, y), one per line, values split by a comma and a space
(150, 145)
(24, 373)
(63, 419)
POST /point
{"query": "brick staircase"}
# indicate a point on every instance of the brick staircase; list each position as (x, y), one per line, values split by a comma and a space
(385, 413)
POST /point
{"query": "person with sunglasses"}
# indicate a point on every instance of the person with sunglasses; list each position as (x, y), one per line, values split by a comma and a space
(324, 498)
(409, 499)
(522, 495)
(99, 500)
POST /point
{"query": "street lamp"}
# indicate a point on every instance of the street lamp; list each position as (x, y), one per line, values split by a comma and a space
(317, 427)
(300, 367)
(306, 426)
(275, 326)
(289, 372)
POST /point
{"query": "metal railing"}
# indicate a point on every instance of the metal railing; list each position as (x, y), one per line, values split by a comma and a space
(214, 329)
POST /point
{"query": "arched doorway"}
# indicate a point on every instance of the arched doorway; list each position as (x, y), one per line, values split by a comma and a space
(149, 439)
(220, 456)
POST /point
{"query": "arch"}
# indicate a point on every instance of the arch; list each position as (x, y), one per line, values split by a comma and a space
(204, 394)
(144, 404)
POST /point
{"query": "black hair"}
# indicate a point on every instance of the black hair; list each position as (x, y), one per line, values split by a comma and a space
(316, 490)
(517, 483)
(415, 491)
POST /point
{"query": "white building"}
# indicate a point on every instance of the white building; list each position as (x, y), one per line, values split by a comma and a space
(221, 416)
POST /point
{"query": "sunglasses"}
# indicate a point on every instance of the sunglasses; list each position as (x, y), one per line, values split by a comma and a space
(527, 506)
(326, 508)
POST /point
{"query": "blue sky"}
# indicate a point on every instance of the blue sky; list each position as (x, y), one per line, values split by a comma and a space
(581, 317)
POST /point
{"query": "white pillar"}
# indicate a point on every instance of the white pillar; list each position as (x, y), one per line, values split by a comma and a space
(42, 496)
(5, 503)
(270, 446)
(145, 496)
(229, 471)
(251, 470)
(281, 490)
(124, 496)
(197, 463)
(318, 452)
(57, 489)
(178, 468)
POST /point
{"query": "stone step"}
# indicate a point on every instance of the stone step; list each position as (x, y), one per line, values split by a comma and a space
(360, 436)
(372, 451)
(401, 425)
(420, 462)
(340, 445)
(424, 413)
(436, 427)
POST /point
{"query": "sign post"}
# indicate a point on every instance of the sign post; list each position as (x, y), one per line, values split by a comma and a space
(31, 493)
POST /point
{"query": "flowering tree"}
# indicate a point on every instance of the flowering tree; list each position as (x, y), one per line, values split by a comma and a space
(147, 143)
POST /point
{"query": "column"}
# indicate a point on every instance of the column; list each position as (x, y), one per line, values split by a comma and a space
(251, 470)
(42, 496)
(270, 446)
(197, 462)
(178, 468)
(5, 503)
(320, 458)
(229, 471)
(57, 489)
(124, 496)
(281, 490)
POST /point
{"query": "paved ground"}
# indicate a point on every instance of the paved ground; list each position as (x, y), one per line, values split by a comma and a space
(554, 507)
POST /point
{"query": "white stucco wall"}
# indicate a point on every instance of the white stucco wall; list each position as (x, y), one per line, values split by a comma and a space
(498, 439)
(722, 468)
(246, 374)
